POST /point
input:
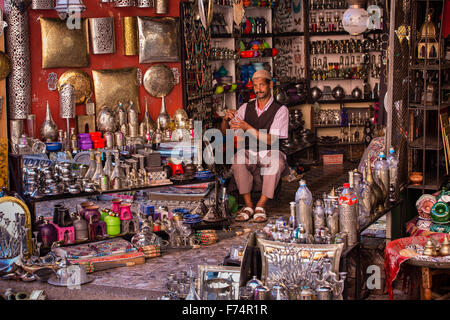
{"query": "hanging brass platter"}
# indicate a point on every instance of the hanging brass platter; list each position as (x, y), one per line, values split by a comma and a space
(80, 81)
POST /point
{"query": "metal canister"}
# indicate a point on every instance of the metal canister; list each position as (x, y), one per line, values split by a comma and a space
(333, 223)
(116, 183)
(140, 159)
(348, 222)
(120, 140)
(262, 293)
(324, 293)
(319, 215)
(133, 130)
(305, 294)
(104, 182)
(109, 140)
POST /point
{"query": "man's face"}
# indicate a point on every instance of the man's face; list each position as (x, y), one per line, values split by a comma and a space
(261, 87)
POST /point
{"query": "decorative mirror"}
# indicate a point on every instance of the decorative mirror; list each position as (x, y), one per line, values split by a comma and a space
(15, 229)
(206, 272)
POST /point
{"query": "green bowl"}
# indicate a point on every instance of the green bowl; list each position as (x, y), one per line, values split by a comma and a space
(440, 212)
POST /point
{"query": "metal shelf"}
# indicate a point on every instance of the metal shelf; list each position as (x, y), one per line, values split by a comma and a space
(430, 144)
(340, 144)
(221, 35)
(444, 65)
(341, 33)
(97, 193)
(336, 125)
(429, 107)
(261, 35)
(289, 34)
(347, 101)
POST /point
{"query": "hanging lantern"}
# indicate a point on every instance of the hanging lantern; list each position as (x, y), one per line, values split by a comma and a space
(428, 47)
(67, 7)
(355, 18)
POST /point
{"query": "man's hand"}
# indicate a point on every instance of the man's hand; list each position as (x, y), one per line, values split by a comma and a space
(229, 114)
(240, 124)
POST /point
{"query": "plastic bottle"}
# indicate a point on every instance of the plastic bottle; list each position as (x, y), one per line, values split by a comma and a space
(393, 175)
(348, 215)
(382, 175)
(303, 200)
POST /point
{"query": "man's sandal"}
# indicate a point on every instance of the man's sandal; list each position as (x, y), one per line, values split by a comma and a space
(260, 215)
(244, 215)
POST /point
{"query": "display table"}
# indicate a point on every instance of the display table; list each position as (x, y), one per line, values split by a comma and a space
(397, 252)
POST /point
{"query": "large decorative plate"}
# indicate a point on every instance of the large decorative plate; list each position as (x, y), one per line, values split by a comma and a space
(81, 83)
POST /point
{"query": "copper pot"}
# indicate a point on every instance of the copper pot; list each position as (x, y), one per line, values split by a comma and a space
(416, 178)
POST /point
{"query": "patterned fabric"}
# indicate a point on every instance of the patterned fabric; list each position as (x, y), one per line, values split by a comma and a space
(397, 252)
(206, 237)
(99, 249)
(373, 149)
(420, 227)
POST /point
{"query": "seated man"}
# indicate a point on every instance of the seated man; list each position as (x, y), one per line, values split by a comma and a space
(266, 121)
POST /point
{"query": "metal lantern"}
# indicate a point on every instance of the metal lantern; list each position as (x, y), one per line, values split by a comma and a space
(67, 104)
(428, 46)
(18, 49)
(66, 7)
(355, 17)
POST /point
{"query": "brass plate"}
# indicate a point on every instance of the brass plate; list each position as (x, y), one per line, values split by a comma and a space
(5, 65)
(159, 80)
(115, 85)
(63, 47)
(158, 39)
(80, 81)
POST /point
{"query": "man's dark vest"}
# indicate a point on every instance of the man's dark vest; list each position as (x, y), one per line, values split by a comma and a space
(264, 121)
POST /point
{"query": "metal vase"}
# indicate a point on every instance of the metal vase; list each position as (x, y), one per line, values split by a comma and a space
(333, 223)
(16, 131)
(304, 216)
(163, 117)
(18, 49)
(348, 222)
(49, 129)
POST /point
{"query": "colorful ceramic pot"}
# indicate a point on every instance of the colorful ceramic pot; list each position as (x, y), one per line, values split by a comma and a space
(92, 213)
(440, 213)
(112, 225)
(416, 178)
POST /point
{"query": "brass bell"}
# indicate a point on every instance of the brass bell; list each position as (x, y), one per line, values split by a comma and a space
(430, 249)
(445, 247)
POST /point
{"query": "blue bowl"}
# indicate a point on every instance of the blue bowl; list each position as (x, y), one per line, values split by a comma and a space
(53, 146)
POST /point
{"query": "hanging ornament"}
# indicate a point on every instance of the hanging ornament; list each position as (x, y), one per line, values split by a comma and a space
(355, 18)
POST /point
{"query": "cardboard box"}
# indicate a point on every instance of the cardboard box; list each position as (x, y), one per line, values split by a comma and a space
(332, 159)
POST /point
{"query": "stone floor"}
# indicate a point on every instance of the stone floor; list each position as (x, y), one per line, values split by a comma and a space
(147, 281)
